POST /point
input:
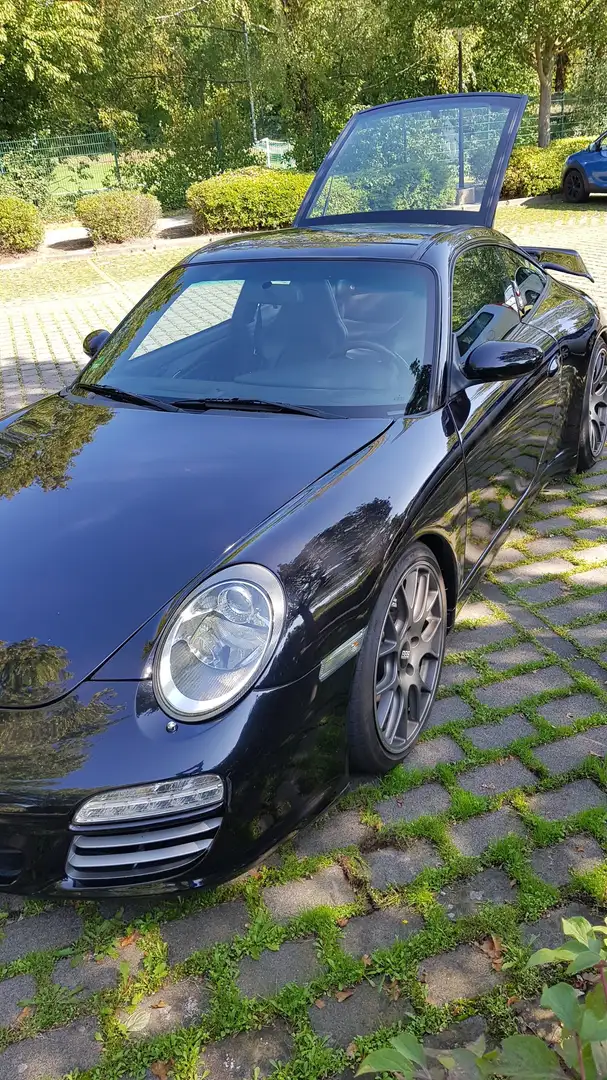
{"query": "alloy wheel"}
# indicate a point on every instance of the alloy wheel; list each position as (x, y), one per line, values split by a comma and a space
(598, 402)
(409, 657)
(574, 186)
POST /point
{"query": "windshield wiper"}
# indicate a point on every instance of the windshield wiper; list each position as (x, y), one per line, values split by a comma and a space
(124, 395)
(246, 405)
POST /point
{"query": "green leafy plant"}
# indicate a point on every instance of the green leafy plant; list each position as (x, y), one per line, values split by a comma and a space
(250, 198)
(538, 171)
(20, 225)
(583, 1016)
(114, 216)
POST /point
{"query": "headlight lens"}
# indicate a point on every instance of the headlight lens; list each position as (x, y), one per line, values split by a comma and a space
(219, 642)
(152, 800)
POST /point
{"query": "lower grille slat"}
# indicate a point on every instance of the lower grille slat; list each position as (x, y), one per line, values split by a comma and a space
(137, 853)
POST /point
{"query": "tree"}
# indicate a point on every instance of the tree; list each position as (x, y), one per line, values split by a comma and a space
(534, 32)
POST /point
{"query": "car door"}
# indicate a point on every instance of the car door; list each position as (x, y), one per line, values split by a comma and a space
(505, 426)
(596, 164)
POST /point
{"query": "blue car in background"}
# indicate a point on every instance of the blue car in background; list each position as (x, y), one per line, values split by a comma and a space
(586, 171)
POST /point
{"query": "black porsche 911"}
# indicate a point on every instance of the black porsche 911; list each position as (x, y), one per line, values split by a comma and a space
(233, 548)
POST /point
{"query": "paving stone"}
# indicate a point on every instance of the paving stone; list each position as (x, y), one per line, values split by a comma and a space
(393, 866)
(11, 903)
(368, 1009)
(473, 610)
(183, 1003)
(339, 830)
(523, 653)
(466, 640)
(55, 929)
(591, 513)
(546, 545)
(547, 932)
(12, 992)
(552, 524)
(568, 800)
(237, 1057)
(294, 962)
(328, 888)
(461, 1034)
(439, 751)
(595, 480)
(504, 732)
(596, 577)
(54, 1053)
(598, 553)
(562, 614)
(565, 754)
(577, 854)
(452, 674)
(597, 496)
(473, 836)
(518, 687)
(491, 886)
(463, 973)
(507, 556)
(590, 667)
(366, 933)
(541, 594)
(90, 976)
(597, 532)
(563, 711)
(452, 708)
(591, 637)
(205, 928)
(496, 778)
(417, 802)
(533, 1019)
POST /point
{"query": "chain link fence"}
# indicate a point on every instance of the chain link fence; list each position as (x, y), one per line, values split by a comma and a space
(65, 164)
(569, 115)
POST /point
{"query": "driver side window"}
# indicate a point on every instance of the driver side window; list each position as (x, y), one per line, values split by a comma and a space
(484, 303)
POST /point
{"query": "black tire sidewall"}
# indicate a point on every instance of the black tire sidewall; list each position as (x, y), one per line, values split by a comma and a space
(583, 195)
(585, 458)
(367, 753)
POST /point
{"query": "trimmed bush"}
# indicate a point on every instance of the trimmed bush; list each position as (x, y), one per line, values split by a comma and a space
(250, 198)
(114, 216)
(20, 225)
(534, 170)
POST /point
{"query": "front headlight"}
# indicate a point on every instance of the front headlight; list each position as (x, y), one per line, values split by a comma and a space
(219, 642)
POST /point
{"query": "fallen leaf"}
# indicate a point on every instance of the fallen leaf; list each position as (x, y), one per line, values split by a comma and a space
(255, 874)
(160, 1069)
(513, 999)
(130, 939)
(393, 990)
(492, 947)
(343, 995)
(342, 922)
(159, 1005)
(320, 1004)
(367, 961)
(23, 1015)
(351, 1050)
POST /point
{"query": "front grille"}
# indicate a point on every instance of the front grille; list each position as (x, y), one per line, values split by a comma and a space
(138, 853)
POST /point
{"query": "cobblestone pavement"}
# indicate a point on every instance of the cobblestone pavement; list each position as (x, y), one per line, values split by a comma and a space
(376, 916)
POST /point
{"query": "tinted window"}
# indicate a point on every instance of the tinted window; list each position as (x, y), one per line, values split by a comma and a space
(323, 333)
(528, 279)
(484, 298)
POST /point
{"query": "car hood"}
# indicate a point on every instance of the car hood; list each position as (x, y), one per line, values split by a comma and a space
(108, 512)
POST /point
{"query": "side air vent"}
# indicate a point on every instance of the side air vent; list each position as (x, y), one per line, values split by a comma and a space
(128, 855)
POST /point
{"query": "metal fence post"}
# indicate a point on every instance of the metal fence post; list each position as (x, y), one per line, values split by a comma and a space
(116, 158)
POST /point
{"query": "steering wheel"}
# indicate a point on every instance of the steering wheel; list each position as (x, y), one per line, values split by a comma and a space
(396, 361)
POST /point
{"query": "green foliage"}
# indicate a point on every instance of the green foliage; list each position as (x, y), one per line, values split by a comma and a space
(251, 198)
(27, 175)
(114, 216)
(20, 225)
(534, 170)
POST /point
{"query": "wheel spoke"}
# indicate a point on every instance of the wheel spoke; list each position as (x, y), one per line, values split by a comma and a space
(388, 680)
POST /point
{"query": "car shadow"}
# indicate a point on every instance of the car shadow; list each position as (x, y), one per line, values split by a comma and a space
(557, 202)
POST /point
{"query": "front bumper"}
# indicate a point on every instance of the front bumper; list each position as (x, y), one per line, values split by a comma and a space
(281, 754)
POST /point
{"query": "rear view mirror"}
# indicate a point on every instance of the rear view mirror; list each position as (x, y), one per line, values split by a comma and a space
(95, 341)
(493, 361)
(565, 259)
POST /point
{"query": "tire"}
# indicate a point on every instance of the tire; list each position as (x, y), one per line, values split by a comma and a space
(411, 617)
(574, 187)
(593, 425)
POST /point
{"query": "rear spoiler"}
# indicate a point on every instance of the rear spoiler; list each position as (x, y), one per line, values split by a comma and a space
(564, 259)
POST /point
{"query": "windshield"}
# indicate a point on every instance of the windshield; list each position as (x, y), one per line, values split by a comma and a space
(340, 336)
(439, 159)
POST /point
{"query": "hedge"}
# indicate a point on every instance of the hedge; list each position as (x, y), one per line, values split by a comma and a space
(250, 198)
(114, 216)
(20, 225)
(534, 170)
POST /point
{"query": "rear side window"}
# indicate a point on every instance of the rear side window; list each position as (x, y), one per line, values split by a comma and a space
(484, 303)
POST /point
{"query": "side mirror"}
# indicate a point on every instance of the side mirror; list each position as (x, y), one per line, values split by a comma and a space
(592, 147)
(95, 341)
(494, 361)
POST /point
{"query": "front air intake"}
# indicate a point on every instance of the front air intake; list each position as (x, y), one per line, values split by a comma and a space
(125, 855)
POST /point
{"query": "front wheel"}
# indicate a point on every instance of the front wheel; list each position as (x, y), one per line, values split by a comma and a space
(593, 426)
(399, 666)
(574, 187)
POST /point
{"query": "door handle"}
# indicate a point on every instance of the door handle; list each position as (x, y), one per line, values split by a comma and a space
(554, 366)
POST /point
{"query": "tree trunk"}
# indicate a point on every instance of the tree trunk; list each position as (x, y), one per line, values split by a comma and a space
(560, 75)
(544, 58)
